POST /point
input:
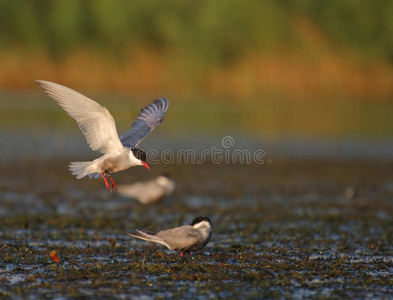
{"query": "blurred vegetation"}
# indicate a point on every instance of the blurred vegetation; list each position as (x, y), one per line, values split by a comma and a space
(199, 38)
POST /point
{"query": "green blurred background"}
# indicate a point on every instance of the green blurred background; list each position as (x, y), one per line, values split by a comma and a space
(270, 68)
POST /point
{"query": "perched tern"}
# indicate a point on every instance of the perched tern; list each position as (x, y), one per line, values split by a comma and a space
(149, 192)
(98, 126)
(182, 239)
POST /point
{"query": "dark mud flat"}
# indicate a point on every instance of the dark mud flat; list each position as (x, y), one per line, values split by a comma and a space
(298, 228)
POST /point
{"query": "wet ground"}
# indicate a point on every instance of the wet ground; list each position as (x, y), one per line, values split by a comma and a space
(295, 227)
(312, 218)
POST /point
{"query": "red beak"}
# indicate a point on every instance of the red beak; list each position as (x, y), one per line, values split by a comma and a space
(145, 165)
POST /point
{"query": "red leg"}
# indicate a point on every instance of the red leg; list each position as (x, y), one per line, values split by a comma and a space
(106, 182)
(181, 254)
(113, 183)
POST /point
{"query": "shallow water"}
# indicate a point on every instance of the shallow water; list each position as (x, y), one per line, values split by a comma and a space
(312, 219)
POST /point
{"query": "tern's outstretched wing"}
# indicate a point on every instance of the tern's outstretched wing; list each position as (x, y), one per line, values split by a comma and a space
(148, 119)
(95, 121)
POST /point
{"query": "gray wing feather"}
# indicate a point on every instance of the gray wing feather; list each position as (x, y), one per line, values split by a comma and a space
(149, 237)
(183, 238)
(180, 238)
(148, 119)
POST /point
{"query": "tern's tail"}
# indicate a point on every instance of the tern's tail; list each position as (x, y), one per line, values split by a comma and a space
(149, 236)
(82, 168)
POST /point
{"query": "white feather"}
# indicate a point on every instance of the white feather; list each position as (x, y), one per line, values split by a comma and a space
(95, 121)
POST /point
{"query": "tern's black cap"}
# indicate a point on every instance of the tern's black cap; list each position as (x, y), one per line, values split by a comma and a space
(139, 154)
(199, 220)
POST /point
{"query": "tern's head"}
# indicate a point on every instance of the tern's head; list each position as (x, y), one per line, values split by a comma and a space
(201, 222)
(204, 227)
(141, 157)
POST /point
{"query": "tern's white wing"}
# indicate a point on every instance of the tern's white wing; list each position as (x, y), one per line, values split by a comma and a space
(95, 121)
(148, 119)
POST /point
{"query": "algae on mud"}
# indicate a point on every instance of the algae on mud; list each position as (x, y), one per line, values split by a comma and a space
(280, 230)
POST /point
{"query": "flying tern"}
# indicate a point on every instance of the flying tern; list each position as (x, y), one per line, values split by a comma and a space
(99, 129)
